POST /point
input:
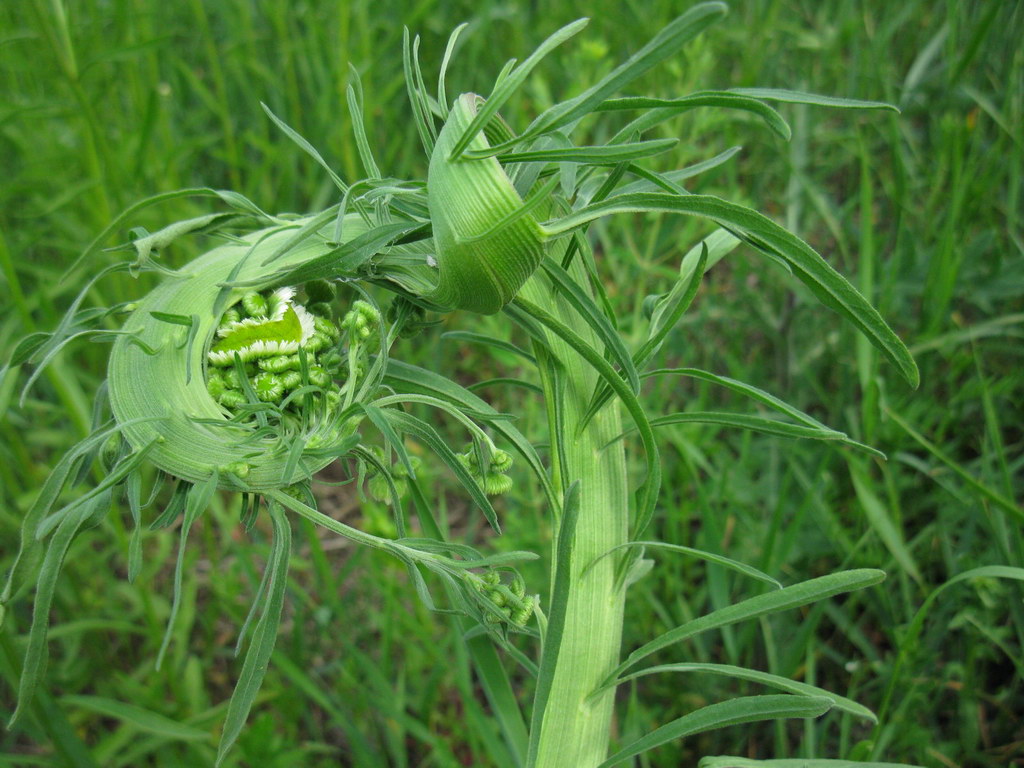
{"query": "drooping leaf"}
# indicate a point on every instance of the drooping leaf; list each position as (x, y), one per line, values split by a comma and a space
(747, 709)
(264, 636)
(764, 678)
(36, 653)
(784, 599)
(831, 288)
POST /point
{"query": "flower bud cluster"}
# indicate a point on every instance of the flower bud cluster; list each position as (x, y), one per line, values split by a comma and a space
(510, 601)
(410, 318)
(378, 482)
(361, 321)
(494, 481)
(272, 334)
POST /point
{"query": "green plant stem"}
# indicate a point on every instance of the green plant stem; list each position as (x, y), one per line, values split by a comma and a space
(569, 727)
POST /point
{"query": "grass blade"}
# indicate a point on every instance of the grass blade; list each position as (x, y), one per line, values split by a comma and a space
(1005, 504)
(141, 719)
(878, 518)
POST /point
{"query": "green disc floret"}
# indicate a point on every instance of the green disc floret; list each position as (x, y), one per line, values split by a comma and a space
(505, 602)
(494, 481)
(279, 364)
(377, 483)
(269, 333)
(269, 387)
(360, 321)
(320, 291)
(255, 304)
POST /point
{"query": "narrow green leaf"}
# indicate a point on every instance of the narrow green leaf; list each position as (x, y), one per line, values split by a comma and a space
(174, 506)
(442, 96)
(773, 681)
(771, 401)
(125, 467)
(747, 709)
(305, 146)
(743, 762)
(343, 260)
(354, 96)
(748, 390)
(144, 720)
(30, 546)
(232, 198)
(831, 288)
(133, 490)
(380, 421)
(423, 431)
(784, 599)
(595, 318)
(499, 381)
(25, 349)
(34, 666)
(748, 422)
(198, 500)
(610, 154)
(721, 99)
(298, 444)
(411, 378)
(570, 509)
(504, 89)
(814, 99)
(669, 311)
(264, 637)
(663, 45)
(879, 519)
(682, 174)
(489, 341)
(152, 244)
(500, 694)
(711, 557)
(417, 96)
(652, 482)
(303, 232)
(254, 609)
(66, 330)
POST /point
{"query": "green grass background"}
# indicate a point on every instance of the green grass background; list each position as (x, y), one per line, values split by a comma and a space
(102, 103)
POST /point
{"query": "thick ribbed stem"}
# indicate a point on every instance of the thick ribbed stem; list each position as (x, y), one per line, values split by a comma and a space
(572, 729)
